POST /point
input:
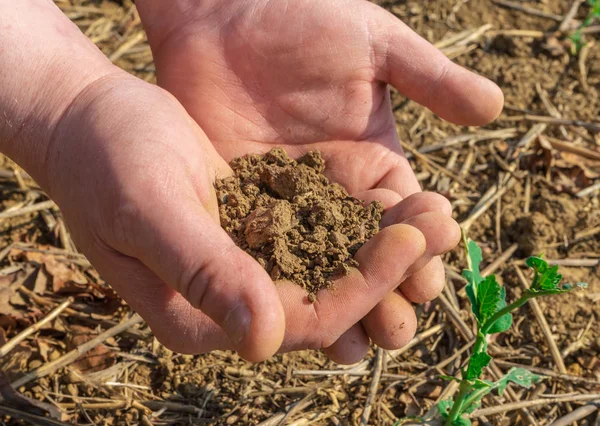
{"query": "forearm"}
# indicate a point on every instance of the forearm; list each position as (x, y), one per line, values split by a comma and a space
(45, 63)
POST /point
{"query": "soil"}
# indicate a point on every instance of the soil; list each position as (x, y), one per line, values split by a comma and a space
(220, 388)
(292, 220)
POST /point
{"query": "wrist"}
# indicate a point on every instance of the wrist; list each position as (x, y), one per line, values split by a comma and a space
(43, 72)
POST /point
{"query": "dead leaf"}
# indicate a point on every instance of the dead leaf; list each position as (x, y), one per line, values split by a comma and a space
(98, 359)
(44, 348)
(12, 398)
(8, 294)
(65, 278)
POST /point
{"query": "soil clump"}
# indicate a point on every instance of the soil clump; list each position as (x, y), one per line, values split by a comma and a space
(292, 220)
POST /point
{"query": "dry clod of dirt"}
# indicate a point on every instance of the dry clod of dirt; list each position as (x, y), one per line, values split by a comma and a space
(292, 220)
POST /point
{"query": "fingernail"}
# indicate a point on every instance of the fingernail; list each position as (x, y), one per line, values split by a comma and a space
(237, 323)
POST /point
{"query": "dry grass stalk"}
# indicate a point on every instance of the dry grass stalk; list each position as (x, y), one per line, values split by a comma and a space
(69, 357)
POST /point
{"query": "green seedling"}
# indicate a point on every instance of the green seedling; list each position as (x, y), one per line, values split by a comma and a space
(577, 36)
(494, 315)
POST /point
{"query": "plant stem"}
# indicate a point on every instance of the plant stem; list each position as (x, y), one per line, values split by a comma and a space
(459, 402)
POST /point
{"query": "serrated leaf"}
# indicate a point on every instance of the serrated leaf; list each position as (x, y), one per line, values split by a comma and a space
(472, 275)
(475, 256)
(505, 321)
(488, 298)
(444, 407)
(520, 376)
(476, 365)
(549, 279)
(462, 421)
(537, 264)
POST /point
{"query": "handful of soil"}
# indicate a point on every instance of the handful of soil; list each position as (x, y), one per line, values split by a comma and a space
(296, 224)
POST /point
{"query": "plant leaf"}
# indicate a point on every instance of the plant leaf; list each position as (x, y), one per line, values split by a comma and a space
(474, 406)
(476, 365)
(488, 298)
(444, 407)
(520, 376)
(537, 264)
(550, 279)
(505, 321)
(473, 275)
(476, 257)
(462, 421)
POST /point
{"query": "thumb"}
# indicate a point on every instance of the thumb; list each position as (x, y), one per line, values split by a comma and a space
(195, 256)
(424, 74)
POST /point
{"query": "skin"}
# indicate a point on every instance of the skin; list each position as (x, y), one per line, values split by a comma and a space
(132, 165)
(313, 75)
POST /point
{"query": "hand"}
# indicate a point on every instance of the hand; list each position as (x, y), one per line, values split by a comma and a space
(312, 75)
(134, 176)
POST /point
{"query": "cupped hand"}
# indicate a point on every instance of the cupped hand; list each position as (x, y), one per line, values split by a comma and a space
(134, 176)
(313, 75)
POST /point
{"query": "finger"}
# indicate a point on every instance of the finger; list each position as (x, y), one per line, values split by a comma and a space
(383, 262)
(441, 232)
(174, 322)
(401, 179)
(398, 318)
(415, 204)
(425, 284)
(193, 254)
(424, 74)
(387, 197)
(352, 347)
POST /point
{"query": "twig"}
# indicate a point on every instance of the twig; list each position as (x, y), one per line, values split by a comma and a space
(550, 107)
(541, 319)
(454, 315)
(564, 25)
(556, 121)
(528, 10)
(532, 135)
(377, 369)
(500, 260)
(152, 405)
(470, 137)
(26, 210)
(517, 33)
(477, 212)
(589, 190)
(533, 403)
(279, 418)
(416, 340)
(590, 263)
(12, 343)
(456, 354)
(583, 55)
(577, 414)
(579, 343)
(127, 45)
(71, 356)
(573, 149)
(32, 418)
(436, 166)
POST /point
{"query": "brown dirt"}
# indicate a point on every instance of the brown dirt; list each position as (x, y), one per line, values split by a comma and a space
(220, 388)
(292, 220)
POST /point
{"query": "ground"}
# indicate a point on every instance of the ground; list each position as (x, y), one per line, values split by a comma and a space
(540, 166)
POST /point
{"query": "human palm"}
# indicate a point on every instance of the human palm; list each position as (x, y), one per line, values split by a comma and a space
(311, 75)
